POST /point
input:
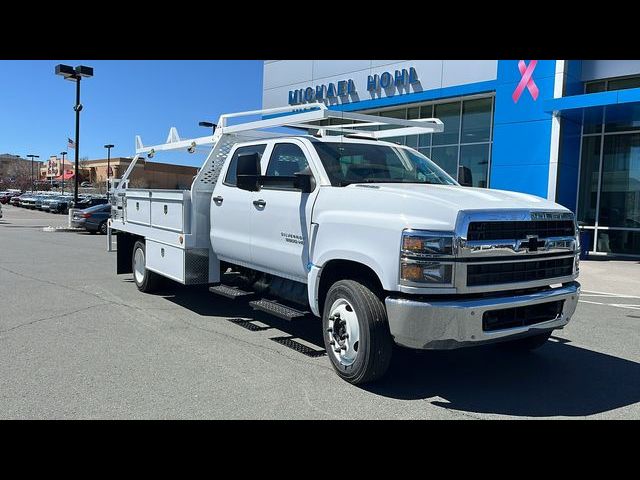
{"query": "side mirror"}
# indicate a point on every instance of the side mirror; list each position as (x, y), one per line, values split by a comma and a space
(465, 177)
(305, 182)
(248, 172)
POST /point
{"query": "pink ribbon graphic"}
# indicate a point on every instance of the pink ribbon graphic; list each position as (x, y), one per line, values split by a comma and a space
(526, 81)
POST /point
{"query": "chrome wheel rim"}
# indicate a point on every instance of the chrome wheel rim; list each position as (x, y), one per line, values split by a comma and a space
(138, 266)
(343, 332)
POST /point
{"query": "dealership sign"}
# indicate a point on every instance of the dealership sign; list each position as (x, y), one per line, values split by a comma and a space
(391, 83)
(53, 167)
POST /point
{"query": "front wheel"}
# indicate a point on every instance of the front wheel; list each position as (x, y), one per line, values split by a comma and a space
(356, 332)
(103, 228)
(146, 280)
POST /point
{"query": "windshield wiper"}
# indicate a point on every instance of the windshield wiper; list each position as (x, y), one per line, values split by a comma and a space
(394, 180)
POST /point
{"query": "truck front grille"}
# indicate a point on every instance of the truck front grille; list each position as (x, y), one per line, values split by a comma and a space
(521, 316)
(519, 230)
(510, 272)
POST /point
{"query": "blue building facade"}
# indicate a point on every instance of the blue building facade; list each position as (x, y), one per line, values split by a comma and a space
(566, 130)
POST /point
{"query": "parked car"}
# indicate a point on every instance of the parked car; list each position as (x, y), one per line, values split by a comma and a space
(0, 210)
(89, 202)
(15, 201)
(5, 197)
(46, 202)
(59, 204)
(28, 201)
(40, 199)
(94, 219)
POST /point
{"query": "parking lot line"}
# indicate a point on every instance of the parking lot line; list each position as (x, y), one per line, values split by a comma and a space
(618, 305)
(591, 293)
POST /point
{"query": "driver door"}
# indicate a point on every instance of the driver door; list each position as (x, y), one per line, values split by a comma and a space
(281, 217)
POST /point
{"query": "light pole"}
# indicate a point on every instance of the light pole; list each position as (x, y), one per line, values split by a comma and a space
(32, 157)
(108, 147)
(63, 154)
(75, 75)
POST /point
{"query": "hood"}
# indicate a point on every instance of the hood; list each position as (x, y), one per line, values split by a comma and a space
(464, 198)
(421, 205)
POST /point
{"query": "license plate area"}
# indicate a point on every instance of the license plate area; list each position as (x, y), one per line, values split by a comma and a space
(523, 316)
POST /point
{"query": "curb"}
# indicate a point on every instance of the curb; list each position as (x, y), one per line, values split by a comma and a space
(62, 229)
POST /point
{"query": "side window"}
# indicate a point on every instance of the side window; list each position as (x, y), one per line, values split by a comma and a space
(230, 179)
(286, 160)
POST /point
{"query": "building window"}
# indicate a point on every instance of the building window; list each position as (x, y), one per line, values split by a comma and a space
(611, 84)
(609, 188)
(463, 150)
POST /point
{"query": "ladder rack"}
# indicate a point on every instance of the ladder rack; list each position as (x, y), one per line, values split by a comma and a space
(307, 117)
(300, 118)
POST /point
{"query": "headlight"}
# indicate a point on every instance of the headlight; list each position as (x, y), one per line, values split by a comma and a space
(427, 244)
(426, 272)
(426, 258)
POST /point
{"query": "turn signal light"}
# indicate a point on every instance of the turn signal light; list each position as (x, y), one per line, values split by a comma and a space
(411, 272)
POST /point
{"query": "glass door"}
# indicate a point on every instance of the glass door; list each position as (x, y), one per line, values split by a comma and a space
(609, 194)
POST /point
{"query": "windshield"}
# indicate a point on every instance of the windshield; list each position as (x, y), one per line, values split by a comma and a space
(347, 163)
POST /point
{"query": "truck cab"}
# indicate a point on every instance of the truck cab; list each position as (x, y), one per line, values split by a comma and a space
(376, 240)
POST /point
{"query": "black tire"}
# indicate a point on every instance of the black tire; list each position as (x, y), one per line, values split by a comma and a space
(527, 343)
(375, 345)
(103, 228)
(151, 280)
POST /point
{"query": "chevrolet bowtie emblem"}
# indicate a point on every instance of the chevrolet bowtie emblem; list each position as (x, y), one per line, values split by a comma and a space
(533, 243)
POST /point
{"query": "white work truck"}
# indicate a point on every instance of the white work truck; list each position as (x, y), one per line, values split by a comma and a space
(370, 236)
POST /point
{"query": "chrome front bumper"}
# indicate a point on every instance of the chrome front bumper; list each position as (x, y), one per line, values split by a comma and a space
(447, 324)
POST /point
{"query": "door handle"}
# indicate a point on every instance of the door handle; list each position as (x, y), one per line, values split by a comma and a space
(218, 199)
(259, 203)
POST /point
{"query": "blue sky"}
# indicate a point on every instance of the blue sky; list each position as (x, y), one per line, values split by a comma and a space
(125, 98)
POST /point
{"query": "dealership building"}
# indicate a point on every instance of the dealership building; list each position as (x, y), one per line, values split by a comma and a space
(566, 130)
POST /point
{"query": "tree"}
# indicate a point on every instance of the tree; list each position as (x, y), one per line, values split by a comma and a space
(84, 173)
(139, 182)
(19, 174)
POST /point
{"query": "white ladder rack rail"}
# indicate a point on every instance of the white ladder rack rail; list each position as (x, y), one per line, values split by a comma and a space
(299, 117)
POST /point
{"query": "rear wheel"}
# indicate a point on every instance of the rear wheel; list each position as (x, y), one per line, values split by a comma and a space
(103, 228)
(146, 280)
(356, 332)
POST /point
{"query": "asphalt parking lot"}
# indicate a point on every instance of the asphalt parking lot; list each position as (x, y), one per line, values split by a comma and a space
(78, 341)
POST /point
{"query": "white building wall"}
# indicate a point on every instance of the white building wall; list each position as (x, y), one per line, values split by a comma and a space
(281, 76)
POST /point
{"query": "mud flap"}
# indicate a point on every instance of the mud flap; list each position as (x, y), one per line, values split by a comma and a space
(124, 253)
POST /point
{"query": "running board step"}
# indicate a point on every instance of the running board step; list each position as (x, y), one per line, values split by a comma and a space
(277, 309)
(229, 292)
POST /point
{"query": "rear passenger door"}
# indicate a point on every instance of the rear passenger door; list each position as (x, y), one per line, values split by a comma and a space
(231, 210)
(281, 217)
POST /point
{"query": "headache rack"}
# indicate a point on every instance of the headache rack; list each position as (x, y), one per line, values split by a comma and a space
(176, 222)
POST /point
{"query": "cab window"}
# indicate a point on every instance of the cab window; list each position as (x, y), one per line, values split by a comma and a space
(286, 160)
